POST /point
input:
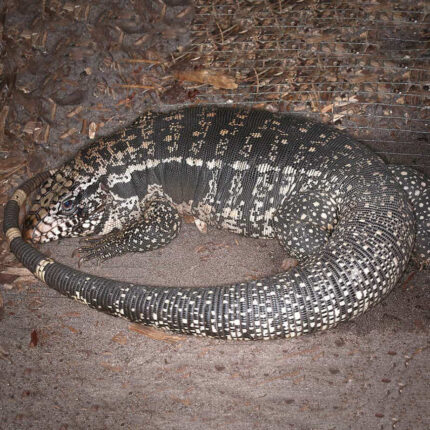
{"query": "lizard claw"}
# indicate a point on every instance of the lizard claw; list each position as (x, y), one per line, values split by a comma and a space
(90, 239)
(89, 257)
(93, 249)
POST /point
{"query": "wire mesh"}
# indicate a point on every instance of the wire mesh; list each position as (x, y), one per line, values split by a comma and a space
(363, 67)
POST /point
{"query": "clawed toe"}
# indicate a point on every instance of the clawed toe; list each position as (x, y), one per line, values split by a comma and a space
(85, 258)
(90, 239)
(90, 252)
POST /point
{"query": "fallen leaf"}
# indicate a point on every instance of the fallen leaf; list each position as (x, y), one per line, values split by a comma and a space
(7, 278)
(217, 80)
(11, 164)
(20, 271)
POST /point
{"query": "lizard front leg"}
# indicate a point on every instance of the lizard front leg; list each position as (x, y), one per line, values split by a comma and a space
(159, 224)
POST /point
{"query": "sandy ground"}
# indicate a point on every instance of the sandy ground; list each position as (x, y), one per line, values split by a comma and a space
(70, 71)
(91, 370)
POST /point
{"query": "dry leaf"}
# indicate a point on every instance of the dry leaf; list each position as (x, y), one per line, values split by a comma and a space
(154, 333)
(217, 80)
(11, 164)
(19, 271)
(7, 278)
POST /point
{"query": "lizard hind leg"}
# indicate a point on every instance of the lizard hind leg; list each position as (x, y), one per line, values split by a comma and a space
(304, 223)
(158, 226)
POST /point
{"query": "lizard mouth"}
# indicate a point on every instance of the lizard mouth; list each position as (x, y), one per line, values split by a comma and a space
(42, 232)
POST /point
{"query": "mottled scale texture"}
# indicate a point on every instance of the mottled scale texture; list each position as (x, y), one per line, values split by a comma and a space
(330, 201)
(417, 187)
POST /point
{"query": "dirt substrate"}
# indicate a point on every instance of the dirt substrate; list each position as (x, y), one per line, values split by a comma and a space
(71, 71)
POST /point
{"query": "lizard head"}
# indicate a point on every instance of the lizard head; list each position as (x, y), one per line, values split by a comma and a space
(66, 206)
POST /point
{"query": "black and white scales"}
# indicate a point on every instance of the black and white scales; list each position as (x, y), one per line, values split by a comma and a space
(352, 222)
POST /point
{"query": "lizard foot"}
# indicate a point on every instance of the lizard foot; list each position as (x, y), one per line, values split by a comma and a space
(99, 248)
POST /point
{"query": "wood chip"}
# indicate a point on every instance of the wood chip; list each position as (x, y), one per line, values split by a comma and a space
(201, 226)
(75, 111)
(46, 133)
(84, 128)
(71, 328)
(140, 60)
(31, 126)
(142, 39)
(327, 108)
(92, 128)
(111, 367)
(34, 339)
(120, 338)
(68, 133)
(154, 333)
(217, 80)
(136, 86)
(185, 12)
(3, 115)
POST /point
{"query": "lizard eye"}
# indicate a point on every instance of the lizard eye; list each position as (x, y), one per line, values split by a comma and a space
(68, 205)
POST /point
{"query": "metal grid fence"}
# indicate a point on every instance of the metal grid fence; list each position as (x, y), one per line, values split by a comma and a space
(363, 67)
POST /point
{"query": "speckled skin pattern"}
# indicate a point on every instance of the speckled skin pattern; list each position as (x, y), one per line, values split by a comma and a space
(330, 202)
